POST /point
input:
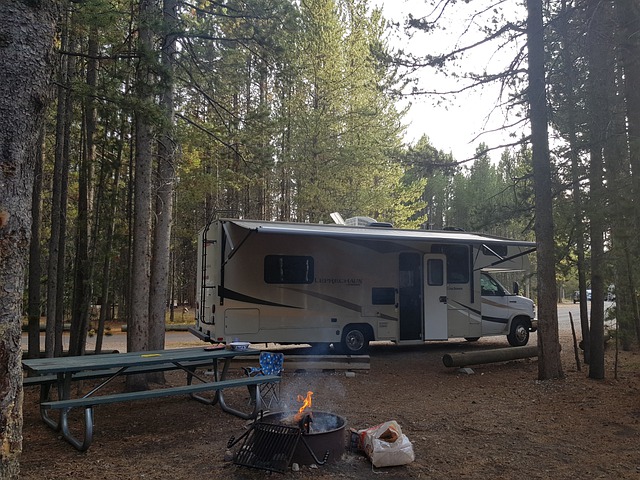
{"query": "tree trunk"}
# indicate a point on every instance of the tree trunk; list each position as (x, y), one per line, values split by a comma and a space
(618, 180)
(598, 52)
(549, 364)
(83, 264)
(27, 30)
(35, 267)
(578, 210)
(56, 200)
(105, 297)
(164, 195)
(138, 331)
(629, 26)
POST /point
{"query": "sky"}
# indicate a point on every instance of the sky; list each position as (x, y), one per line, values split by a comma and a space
(454, 125)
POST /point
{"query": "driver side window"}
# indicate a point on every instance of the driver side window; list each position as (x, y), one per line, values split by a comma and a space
(488, 288)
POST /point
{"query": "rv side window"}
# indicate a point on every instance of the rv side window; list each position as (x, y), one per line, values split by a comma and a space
(457, 262)
(383, 296)
(288, 269)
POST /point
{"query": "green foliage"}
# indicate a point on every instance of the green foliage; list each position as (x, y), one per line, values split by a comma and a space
(284, 111)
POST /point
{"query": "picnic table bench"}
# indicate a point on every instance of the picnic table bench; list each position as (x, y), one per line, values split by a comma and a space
(61, 371)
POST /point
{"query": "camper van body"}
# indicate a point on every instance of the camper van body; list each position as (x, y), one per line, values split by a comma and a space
(333, 284)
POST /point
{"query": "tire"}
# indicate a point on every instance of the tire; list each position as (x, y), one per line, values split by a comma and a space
(355, 341)
(472, 339)
(519, 335)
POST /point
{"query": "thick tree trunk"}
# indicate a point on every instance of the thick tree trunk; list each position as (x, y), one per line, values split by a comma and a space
(549, 364)
(138, 331)
(27, 30)
(164, 195)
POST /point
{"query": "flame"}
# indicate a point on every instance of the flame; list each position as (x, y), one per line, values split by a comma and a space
(306, 403)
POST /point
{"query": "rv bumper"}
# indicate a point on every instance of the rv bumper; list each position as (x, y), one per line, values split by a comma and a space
(199, 334)
(534, 325)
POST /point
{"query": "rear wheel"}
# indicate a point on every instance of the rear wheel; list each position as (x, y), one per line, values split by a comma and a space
(355, 341)
(519, 335)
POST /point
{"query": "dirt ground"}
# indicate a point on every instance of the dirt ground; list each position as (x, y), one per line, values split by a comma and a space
(499, 422)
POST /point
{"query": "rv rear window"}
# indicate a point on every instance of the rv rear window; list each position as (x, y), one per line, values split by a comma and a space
(288, 269)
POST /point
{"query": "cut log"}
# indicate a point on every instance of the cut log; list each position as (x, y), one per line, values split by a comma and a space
(489, 356)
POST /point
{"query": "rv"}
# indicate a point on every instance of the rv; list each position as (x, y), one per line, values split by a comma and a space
(298, 283)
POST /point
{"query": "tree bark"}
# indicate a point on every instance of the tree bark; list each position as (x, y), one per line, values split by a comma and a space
(27, 30)
(549, 363)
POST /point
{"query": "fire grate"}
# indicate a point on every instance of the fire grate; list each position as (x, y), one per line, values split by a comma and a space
(267, 447)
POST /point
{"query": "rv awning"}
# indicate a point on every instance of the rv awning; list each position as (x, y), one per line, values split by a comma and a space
(378, 233)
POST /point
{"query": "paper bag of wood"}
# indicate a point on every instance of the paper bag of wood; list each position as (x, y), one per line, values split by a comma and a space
(386, 445)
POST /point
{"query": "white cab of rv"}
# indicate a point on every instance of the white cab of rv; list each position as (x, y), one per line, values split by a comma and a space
(348, 285)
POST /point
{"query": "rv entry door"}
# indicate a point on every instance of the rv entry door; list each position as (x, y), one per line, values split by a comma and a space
(435, 297)
(410, 297)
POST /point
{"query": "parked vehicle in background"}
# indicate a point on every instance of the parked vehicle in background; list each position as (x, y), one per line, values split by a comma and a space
(576, 296)
(344, 285)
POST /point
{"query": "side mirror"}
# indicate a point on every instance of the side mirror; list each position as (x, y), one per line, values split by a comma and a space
(516, 288)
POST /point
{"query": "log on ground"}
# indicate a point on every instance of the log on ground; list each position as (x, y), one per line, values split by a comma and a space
(489, 356)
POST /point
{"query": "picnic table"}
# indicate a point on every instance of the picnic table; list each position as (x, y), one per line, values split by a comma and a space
(62, 371)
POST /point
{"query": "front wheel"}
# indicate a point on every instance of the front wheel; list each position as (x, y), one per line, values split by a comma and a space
(355, 341)
(519, 335)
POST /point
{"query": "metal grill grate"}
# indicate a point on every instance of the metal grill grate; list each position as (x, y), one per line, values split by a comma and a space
(268, 447)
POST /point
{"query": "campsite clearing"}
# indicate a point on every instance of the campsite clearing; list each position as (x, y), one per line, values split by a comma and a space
(498, 422)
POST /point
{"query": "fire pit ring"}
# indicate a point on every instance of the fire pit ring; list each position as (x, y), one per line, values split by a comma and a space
(326, 435)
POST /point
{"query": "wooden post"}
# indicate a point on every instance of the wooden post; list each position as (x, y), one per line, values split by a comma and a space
(575, 342)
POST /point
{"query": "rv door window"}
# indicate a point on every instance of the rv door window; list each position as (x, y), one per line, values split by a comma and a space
(288, 269)
(435, 272)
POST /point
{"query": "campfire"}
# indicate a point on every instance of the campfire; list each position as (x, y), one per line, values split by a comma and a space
(306, 404)
(277, 439)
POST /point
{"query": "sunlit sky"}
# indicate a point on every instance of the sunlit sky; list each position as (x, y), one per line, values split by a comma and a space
(453, 125)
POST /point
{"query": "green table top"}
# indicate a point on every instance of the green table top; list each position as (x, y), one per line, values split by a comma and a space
(42, 366)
